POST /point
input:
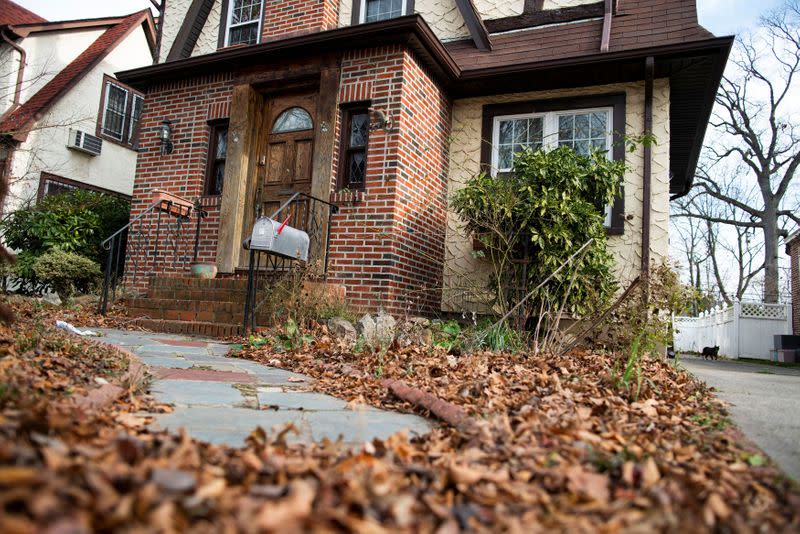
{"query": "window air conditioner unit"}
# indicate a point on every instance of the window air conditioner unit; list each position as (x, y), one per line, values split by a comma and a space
(84, 142)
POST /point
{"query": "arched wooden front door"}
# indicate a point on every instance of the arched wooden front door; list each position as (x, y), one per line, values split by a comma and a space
(290, 149)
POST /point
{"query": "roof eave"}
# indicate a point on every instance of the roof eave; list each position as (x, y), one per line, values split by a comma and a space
(724, 47)
(411, 29)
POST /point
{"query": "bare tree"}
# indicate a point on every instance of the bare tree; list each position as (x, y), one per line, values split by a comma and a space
(752, 125)
(731, 254)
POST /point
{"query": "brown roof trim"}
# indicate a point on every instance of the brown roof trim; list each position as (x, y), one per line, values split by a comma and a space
(539, 17)
(190, 30)
(23, 30)
(717, 43)
(477, 29)
(411, 30)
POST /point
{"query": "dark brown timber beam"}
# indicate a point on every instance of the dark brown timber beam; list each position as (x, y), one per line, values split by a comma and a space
(475, 25)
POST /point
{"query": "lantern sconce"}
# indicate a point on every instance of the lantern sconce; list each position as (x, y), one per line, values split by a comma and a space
(165, 136)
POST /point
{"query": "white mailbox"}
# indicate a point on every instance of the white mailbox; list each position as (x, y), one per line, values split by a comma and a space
(280, 239)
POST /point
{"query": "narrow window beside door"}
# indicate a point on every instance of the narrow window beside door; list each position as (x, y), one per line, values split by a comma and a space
(355, 137)
(217, 155)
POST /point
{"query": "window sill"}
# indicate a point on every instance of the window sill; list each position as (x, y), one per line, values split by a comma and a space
(347, 198)
(115, 141)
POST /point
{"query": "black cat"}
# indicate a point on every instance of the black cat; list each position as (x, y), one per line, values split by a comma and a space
(711, 353)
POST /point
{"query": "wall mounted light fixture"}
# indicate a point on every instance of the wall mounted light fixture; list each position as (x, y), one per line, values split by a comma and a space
(165, 136)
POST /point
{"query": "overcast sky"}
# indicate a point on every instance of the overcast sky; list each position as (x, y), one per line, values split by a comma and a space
(722, 17)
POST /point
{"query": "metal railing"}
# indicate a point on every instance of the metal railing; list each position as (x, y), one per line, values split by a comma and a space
(162, 238)
(307, 213)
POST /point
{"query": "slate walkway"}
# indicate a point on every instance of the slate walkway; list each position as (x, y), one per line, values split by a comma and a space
(221, 400)
(764, 403)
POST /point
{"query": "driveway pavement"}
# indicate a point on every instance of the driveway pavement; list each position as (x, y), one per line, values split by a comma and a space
(222, 400)
(765, 403)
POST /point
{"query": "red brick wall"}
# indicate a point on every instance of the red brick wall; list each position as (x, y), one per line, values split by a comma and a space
(388, 249)
(189, 104)
(794, 273)
(284, 19)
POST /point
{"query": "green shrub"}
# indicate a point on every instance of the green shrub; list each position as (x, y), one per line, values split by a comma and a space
(66, 272)
(75, 222)
(545, 210)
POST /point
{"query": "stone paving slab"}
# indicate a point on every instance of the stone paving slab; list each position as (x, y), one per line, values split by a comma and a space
(298, 400)
(195, 393)
(222, 400)
(203, 375)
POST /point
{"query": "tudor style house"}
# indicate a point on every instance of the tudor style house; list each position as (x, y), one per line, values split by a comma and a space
(65, 121)
(385, 107)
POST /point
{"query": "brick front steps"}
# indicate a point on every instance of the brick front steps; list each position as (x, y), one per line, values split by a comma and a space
(185, 305)
(210, 308)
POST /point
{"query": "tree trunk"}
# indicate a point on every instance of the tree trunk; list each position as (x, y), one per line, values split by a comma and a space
(771, 274)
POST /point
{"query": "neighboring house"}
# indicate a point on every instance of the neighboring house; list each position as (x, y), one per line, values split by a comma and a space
(793, 250)
(391, 105)
(65, 121)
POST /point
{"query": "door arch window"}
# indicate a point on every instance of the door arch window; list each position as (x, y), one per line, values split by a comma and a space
(293, 120)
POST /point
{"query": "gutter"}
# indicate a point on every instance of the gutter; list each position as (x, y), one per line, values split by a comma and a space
(20, 71)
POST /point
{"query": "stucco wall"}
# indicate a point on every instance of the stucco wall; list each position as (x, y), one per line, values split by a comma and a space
(173, 18)
(209, 37)
(45, 148)
(464, 272)
(444, 17)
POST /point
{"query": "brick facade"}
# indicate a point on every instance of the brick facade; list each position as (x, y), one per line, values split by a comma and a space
(387, 249)
(189, 105)
(793, 250)
(287, 19)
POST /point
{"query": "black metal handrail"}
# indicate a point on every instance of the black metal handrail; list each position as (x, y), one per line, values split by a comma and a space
(308, 213)
(155, 239)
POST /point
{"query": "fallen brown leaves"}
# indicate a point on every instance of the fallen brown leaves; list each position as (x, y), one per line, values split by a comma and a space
(554, 448)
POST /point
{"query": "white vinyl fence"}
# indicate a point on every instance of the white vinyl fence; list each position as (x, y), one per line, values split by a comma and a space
(743, 330)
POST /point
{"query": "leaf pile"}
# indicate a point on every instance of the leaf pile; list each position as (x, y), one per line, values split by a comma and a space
(555, 448)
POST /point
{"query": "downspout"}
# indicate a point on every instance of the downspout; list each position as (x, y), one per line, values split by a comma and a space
(605, 42)
(20, 71)
(647, 175)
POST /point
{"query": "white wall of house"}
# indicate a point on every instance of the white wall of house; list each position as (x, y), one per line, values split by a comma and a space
(45, 148)
(50, 52)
